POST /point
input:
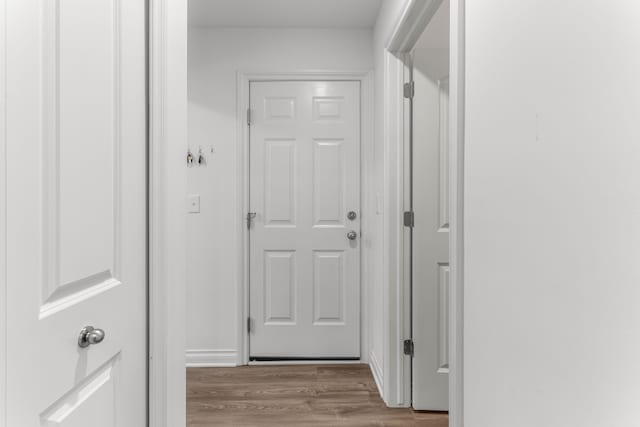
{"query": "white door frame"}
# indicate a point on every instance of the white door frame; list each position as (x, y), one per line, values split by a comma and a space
(167, 66)
(397, 367)
(242, 191)
(3, 222)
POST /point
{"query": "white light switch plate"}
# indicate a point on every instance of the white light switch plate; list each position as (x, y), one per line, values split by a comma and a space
(193, 203)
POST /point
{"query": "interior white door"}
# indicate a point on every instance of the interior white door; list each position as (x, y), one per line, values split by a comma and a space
(305, 179)
(76, 212)
(430, 239)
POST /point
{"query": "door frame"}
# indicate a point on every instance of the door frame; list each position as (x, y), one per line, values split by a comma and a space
(243, 80)
(167, 228)
(3, 219)
(397, 372)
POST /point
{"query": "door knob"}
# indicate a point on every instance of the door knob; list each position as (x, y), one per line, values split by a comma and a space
(352, 215)
(90, 335)
(352, 235)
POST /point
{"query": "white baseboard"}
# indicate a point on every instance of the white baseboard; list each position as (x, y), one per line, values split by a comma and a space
(211, 358)
(376, 370)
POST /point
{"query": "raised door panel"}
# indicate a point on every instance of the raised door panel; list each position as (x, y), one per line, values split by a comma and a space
(443, 318)
(329, 186)
(277, 108)
(443, 151)
(329, 288)
(92, 399)
(328, 108)
(280, 183)
(81, 147)
(279, 288)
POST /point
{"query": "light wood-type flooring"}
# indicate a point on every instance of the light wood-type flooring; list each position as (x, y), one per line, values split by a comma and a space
(294, 395)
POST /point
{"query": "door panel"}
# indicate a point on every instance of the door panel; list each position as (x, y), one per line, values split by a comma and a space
(329, 183)
(279, 287)
(328, 287)
(93, 399)
(280, 183)
(76, 212)
(305, 178)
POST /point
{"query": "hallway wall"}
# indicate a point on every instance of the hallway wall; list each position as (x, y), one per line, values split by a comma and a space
(215, 56)
(552, 230)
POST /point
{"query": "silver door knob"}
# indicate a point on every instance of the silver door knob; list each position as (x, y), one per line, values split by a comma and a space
(352, 215)
(90, 335)
(352, 235)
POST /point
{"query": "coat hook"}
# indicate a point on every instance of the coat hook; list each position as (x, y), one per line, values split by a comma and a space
(189, 158)
(201, 159)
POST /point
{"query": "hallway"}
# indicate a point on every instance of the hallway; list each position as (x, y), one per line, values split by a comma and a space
(299, 395)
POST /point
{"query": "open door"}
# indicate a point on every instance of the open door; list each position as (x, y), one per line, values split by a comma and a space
(76, 213)
(430, 200)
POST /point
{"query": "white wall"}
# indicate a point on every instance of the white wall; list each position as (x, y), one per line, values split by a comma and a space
(552, 214)
(215, 55)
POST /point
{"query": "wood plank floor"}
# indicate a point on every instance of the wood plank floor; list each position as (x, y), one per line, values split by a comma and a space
(294, 395)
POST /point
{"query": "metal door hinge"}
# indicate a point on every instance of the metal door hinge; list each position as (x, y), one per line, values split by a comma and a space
(250, 217)
(408, 347)
(409, 219)
(248, 116)
(249, 325)
(409, 90)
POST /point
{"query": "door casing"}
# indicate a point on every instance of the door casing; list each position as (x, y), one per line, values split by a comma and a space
(3, 222)
(242, 155)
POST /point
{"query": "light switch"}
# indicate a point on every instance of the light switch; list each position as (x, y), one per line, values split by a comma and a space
(194, 203)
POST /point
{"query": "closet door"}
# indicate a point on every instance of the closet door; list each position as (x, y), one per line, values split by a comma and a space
(75, 213)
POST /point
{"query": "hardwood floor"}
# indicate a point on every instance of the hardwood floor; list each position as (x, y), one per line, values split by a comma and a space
(294, 395)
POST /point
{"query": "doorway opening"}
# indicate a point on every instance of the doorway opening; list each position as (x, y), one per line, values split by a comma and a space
(424, 64)
(261, 290)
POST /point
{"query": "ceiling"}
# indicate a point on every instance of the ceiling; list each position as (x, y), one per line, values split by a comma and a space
(284, 13)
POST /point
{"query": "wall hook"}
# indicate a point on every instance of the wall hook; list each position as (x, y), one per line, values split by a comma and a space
(201, 160)
(189, 158)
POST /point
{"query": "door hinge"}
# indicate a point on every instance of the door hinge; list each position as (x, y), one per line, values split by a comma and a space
(409, 89)
(248, 325)
(408, 347)
(408, 219)
(248, 116)
(250, 217)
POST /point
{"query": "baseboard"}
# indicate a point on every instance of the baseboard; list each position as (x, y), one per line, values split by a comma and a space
(376, 371)
(211, 358)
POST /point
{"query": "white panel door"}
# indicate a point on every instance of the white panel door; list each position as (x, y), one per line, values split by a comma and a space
(76, 212)
(430, 239)
(305, 179)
